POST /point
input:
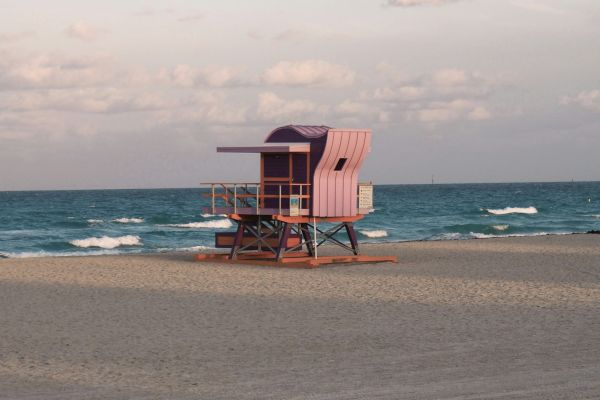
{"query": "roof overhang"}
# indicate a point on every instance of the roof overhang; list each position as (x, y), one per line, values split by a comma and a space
(291, 148)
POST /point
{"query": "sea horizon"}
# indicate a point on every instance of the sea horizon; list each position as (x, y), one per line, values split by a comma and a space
(115, 221)
(200, 186)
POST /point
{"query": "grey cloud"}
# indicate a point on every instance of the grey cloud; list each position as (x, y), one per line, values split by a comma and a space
(588, 99)
(15, 37)
(191, 17)
(185, 75)
(84, 31)
(441, 96)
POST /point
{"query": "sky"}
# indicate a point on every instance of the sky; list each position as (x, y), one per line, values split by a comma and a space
(138, 94)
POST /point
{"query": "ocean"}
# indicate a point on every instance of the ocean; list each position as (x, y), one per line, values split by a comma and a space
(82, 222)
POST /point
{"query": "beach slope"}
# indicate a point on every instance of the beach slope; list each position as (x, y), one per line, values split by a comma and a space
(494, 318)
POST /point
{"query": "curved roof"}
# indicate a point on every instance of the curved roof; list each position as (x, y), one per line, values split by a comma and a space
(296, 133)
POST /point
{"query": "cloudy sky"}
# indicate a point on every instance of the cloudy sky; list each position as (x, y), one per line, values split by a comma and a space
(126, 94)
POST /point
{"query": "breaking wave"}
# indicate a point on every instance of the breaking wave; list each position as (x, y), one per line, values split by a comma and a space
(212, 215)
(513, 210)
(500, 227)
(476, 235)
(129, 220)
(107, 242)
(374, 234)
(41, 253)
(479, 235)
(94, 221)
(218, 223)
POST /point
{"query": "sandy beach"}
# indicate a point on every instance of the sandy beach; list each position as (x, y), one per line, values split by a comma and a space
(494, 318)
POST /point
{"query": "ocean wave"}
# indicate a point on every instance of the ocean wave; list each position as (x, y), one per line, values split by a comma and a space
(42, 253)
(476, 235)
(374, 234)
(217, 223)
(513, 210)
(95, 221)
(479, 235)
(208, 215)
(195, 248)
(107, 242)
(447, 236)
(500, 227)
(129, 220)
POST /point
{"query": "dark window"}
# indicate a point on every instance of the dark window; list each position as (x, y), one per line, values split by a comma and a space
(340, 164)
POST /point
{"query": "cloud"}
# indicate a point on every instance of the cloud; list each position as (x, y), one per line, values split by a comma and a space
(590, 100)
(213, 76)
(90, 100)
(309, 73)
(254, 34)
(18, 127)
(538, 7)
(273, 108)
(294, 35)
(443, 95)
(83, 31)
(446, 111)
(53, 71)
(191, 17)
(416, 3)
(150, 12)
(441, 84)
(15, 37)
(212, 108)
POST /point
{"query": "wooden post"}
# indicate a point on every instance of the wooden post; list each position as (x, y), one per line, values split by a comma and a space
(234, 198)
(352, 237)
(285, 234)
(237, 241)
(307, 238)
(212, 186)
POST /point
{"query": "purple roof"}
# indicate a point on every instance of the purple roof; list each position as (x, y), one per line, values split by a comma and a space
(297, 133)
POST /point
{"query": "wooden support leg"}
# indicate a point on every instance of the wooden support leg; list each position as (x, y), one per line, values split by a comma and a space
(352, 237)
(307, 239)
(285, 234)
(237, 241)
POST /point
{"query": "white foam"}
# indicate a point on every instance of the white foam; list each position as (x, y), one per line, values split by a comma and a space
(194, 248)
(486, 236)
(41, 253)
(374, 234)
(448, 236)
(217, 223)
(513, 210)
(500, 227)
(129, 220)
(107, 242)
(212, 215)
(95, 221)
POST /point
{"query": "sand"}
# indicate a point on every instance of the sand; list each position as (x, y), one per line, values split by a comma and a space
(494, 318)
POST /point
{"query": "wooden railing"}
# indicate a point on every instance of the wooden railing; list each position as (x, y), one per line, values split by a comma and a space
(250, 197)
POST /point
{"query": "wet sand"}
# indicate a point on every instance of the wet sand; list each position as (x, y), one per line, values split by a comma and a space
(494, 318)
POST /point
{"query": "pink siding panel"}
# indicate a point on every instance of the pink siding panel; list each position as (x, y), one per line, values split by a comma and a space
(335, 191)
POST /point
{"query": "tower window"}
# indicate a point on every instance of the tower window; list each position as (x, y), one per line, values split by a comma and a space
(340, 164)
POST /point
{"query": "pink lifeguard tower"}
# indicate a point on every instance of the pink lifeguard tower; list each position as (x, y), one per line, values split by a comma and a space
(308, 177)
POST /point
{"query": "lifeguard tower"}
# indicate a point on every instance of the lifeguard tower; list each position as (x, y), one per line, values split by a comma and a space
(308, 180)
